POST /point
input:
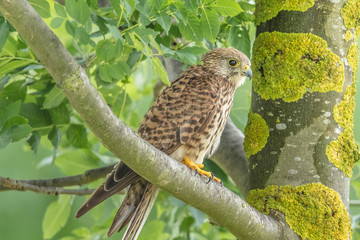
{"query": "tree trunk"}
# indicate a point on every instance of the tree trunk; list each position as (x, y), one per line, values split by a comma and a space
(303, 98)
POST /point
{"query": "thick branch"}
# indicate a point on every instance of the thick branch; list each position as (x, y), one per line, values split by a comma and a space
(9, 183)
(222, 205)
(78, 180)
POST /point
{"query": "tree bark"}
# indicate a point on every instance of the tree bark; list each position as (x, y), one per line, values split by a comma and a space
(300, 131)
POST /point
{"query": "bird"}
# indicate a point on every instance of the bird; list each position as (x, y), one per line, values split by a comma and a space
(185, 122)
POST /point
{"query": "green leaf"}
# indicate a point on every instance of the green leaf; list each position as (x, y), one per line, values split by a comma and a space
(79, 10)
(159, 69)
(227, 7)
(34, 141)
(190, 55)
(135, 41)
(15, 129)
(8, 110)
(115, 71)
(70, 28)
(14, 91)
(60, 114)
(36, 116)
(14, 64)
(56, 22)
(133, 58)
(164, 20)
(55, 138)
(101, 23)
(56, 216)
(186, 223)
(104, 73)
(148, 8)
(247, 17)
(116, 6)
(191, 5)
(124, 67)
(77, 136)
(4, 32)
(83, 36)
(19, 132)
(210, 24)
(115, 32)
(77, 161)
(191, 28)
(60, 10)
(10, 47)
(105, 50)
(145, 34)
(54, 98)
(82, 233)
(15, 120)
(5, 139)
(42, 7)
(247, 6)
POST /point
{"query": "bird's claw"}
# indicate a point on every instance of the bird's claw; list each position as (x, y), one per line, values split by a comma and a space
(211, 177)
(198, 170)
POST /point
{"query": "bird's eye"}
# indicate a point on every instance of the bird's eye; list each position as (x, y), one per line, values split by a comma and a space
(233, 62)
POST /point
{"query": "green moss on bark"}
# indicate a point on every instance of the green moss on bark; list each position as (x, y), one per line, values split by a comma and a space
(344, 152)
(313, 211)
(256, 134)
(287, 65)
(348, 35)
(267, 9)
(351, 15)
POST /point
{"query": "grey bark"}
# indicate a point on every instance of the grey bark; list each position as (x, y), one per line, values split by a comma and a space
(296, 155)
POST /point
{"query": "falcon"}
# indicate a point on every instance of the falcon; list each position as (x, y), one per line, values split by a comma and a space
(185, 121)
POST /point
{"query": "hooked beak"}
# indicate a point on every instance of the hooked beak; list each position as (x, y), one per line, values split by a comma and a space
(248, 73)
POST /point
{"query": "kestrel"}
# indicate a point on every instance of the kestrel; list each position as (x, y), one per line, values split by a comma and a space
(185, 122)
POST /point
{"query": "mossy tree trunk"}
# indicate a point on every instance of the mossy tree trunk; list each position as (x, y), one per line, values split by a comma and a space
(304, 60)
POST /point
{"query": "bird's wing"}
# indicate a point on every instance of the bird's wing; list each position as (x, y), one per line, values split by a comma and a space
(118, 179)
(182, 110)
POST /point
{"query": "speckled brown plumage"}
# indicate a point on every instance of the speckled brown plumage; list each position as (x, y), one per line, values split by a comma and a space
(185, 121)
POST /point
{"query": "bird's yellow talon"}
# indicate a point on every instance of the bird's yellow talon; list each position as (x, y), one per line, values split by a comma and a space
(198, 169)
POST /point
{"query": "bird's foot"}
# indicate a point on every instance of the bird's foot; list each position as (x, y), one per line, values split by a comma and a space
(198, 169)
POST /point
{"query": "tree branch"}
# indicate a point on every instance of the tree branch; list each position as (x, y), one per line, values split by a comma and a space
(81, 179)
(219, 203)
(11, 184)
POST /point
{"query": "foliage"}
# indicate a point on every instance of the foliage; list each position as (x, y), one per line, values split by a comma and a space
(121, 46)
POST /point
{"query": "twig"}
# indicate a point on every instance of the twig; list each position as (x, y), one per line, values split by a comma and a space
(81, 179)
(9, 183)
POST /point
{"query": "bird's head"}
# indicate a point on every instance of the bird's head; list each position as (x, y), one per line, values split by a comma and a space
(229, 63)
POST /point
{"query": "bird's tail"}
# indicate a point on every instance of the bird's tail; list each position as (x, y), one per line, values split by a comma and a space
(138, 216)
(136, 206)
